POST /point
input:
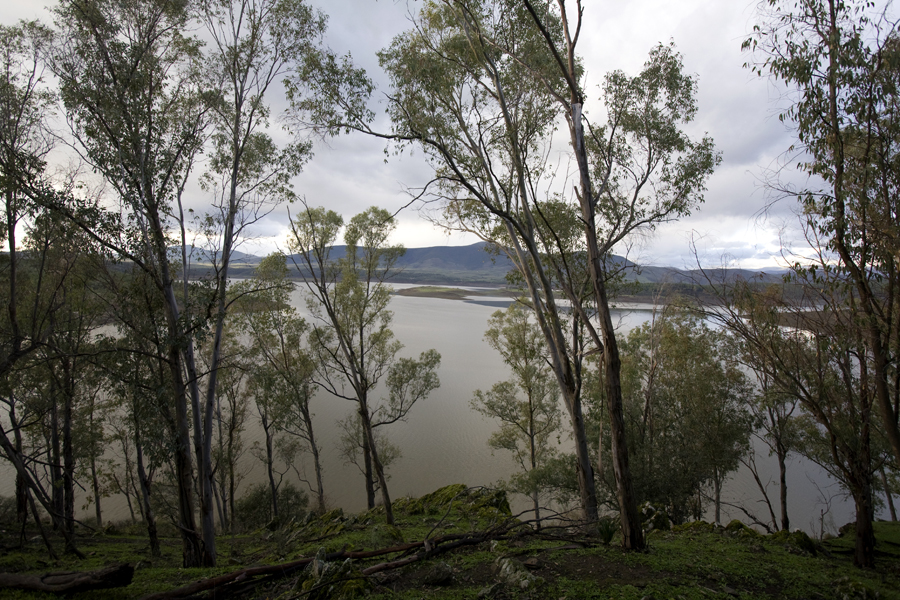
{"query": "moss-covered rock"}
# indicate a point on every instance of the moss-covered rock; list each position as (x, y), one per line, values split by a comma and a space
(694, 526)
(431, 503)
(739, 530)
(477, 502)
(654, 517)
(795, 540)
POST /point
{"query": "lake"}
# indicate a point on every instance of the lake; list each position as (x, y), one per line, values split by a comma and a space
(444, 441)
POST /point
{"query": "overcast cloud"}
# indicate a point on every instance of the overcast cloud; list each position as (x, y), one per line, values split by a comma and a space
(736, 108)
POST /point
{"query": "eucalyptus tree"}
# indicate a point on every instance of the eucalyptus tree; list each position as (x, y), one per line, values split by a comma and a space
(24, 143)
(480, 86)
(255, 43)
(278, 345)
(352, 343)
(527, 405)
(814, 350)
(138, 118)
(839, 60)
(686, 408)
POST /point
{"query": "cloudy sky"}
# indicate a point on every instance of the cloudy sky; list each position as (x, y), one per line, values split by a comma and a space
(736, 108)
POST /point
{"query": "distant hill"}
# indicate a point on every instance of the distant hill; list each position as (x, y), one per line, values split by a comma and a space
(473, 265)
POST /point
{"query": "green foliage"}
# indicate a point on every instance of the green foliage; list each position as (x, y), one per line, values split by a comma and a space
(527, 405)
(254, 509)
(685, 407)
(352, 343)
(607, 528)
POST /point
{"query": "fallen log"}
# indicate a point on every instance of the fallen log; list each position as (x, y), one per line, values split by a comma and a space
(282, 569)
(67, 582)
(431, 547)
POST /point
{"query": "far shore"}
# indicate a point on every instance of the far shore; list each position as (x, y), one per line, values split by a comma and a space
(628, 302)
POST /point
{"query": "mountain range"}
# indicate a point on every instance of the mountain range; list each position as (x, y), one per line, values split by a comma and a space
(473, 265)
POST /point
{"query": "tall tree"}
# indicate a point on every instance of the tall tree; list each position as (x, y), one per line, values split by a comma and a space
(137, 115)
(351, 338)
(255, 44)
(278, 347)
(841, 58)
(526, 405)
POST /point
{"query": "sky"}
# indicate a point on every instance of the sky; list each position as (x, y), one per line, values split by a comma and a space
(741, 223)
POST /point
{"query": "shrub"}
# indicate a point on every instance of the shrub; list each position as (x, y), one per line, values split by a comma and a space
(254, 509)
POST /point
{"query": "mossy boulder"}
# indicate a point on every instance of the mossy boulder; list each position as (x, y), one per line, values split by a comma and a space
(738, 529)
(694, 527)
(482, 502)
(796, 540)
(654, 517)
(431, 503)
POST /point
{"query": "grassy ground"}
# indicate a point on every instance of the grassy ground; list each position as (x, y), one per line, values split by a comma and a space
(697, 561)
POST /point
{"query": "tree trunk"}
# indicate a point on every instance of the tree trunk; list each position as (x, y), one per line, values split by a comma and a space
(21, 487)
(145, 483)
(68, 454)
(864, 552)
(376, 463)
(95, 480)
(717, 496)
(317, 463)
(270, 467)
(367, 469)
(782, 472)
(126, 487)
(40, 527)
(68, 582)
(56, 476)
(633, 536)
(191, 550)
(888, 494)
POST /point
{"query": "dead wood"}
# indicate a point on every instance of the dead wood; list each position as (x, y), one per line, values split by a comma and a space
(242, 577)
(67, 582)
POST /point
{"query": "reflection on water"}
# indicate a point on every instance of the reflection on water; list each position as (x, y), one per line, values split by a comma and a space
(444, 441)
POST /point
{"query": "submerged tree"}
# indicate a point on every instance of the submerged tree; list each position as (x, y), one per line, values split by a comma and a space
(351, 338)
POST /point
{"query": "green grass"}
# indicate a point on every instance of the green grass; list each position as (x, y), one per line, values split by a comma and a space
(695, 562)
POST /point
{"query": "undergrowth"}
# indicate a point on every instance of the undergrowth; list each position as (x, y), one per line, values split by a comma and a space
(694, 561)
